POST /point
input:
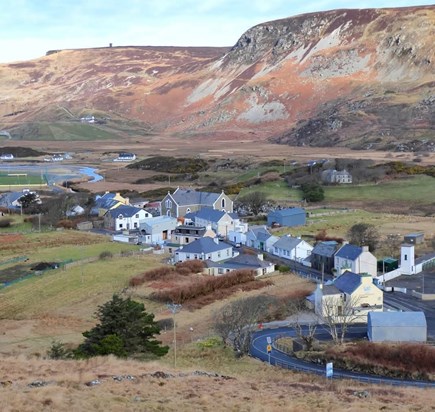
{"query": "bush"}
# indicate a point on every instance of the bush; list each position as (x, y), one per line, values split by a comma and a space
(154, 274)
(166, 324)
(5, 222)
(283, 268)
(105, 255)
(66, 224)
(193, 266)
(58, 351)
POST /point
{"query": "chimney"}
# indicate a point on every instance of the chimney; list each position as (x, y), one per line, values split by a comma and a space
(216, 240)
(365, 248)
(260, 256)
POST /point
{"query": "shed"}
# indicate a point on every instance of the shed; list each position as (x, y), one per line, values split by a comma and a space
(414, 238)
(293, 216)
(396, 327)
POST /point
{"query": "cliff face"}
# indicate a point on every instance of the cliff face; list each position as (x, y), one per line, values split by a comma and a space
(357, 78)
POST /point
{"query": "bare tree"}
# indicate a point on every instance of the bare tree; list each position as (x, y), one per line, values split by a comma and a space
(364, 234)
(338, 312)
(392, 243)
(253, 202)
(237, 320)
(304, 330)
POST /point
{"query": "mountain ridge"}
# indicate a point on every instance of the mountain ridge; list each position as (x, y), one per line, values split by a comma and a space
(360, 78)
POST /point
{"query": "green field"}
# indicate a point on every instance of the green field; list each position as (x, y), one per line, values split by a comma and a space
(17, 178)
(412, 189)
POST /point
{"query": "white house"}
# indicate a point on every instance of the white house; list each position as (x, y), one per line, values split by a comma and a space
(7, 156)
(256, 263)
(125, 157)
(220, 221)
(292, 248)
(125, 217)
(205, 248)
(258, 237)
(355, 259)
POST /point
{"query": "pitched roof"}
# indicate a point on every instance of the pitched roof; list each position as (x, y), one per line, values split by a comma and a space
(242, 261)
(291, 211)
(348, 282)
(124, 210)
(350, 252)
(186, 197)
(260, 232)
(287, 242)
(327, 248)
(207, 213)
(204, 245)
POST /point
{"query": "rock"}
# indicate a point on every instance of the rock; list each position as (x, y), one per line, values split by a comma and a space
(38, 384)
(362, 394)
(93, 383)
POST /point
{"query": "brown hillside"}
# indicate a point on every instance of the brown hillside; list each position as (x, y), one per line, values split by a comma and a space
(355, 78)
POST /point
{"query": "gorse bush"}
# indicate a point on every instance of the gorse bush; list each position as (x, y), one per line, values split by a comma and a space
(203, 287)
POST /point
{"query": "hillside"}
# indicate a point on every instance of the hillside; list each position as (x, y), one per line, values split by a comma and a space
(363, 79)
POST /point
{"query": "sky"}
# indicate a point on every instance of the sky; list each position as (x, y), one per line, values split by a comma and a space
(32, 27)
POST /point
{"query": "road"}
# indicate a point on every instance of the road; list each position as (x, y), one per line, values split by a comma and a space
(258, 350)
(394, 301)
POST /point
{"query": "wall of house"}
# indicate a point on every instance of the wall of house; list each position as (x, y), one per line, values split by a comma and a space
(224, 254)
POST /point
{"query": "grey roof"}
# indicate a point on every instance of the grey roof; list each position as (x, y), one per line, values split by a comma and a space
(425, 258)
(350, 252)
(330, 290)
(242, 261)
(289, 211)
(348, 282)
(186, 197)
(260, 232)
(126, 211)
(207, 213)
(204, 245)
(8, 198)
(287, 242)
(326, 249)
(397, 319)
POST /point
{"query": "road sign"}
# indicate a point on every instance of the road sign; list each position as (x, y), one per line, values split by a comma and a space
(329, 370)
(269, 348)
(269, 340)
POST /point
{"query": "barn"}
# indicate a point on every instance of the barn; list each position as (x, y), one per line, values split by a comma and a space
(293, 216)
(396, 327)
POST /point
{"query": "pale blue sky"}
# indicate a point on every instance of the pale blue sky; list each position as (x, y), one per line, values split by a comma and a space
(31, 27)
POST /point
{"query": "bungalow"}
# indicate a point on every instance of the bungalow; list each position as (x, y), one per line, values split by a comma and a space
(219, 220)
(205, 248)
(185, 234)
(7, 156)
(356, 259)
(156, 230)
(125, 157)
(293, 216)
(184, 201)
(322, 256)
(351, 295)
(258, 237)
(241, 262)
(292, 248)
(125, 218)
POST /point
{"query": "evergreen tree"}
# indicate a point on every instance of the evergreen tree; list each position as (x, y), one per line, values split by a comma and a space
(125, 329)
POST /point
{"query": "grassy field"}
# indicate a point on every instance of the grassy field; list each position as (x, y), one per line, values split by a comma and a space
(21, 179)
(413, 189)
(68, 131)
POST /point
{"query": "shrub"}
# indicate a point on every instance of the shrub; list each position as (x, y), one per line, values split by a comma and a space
(165, 324)
(66, 224)
(58, 351)
(106, 254)
(5, 222)
(283, 268)
(193, 266)
(153, 274)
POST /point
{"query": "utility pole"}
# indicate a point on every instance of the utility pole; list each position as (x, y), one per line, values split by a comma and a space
(174, 308)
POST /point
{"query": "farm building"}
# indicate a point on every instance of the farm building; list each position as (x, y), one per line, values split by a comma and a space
(396, 327)
(293, 216)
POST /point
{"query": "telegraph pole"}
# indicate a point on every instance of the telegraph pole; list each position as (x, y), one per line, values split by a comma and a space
(174, 308)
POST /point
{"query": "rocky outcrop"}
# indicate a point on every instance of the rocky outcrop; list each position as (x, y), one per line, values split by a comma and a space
(357, 78)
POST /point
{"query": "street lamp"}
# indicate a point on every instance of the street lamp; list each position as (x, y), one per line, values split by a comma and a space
(174, 308)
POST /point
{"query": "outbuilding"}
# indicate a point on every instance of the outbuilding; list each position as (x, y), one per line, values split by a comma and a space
(293, 216)
(396, 327)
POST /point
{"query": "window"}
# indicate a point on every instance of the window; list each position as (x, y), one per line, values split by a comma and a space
(137, 216)
(223, 203)
(168, 203)
(406, 257)
(187, 256)
(135, 224)
(120, 225)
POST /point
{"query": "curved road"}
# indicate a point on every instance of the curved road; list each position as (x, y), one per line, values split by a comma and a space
(258, 350)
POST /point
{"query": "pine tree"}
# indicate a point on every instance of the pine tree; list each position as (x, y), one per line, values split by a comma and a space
(125, 329)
